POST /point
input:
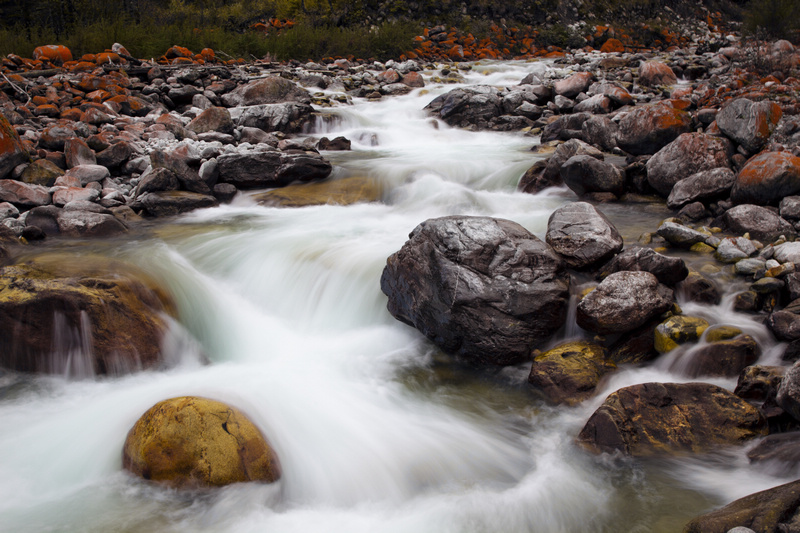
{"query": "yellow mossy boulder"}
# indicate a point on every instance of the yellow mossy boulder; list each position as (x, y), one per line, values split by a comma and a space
(190, 442)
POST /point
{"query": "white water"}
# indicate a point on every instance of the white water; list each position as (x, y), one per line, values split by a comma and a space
(375, 430)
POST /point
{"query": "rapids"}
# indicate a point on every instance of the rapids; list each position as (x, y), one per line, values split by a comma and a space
(375, 429)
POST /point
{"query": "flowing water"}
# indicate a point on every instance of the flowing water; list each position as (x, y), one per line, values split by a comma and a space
(375, 429)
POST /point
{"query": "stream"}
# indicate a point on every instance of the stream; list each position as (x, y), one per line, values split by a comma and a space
(376, 430)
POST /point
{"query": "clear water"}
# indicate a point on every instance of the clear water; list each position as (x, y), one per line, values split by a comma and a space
(375, 429)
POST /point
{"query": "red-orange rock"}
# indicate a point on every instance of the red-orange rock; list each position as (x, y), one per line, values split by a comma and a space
(612, 45)
(652, 73)
(108, 57)
(647, 129)
(55, 53)
(208, 55)
(178, 51)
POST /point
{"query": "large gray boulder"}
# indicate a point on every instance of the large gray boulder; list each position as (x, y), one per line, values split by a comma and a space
(482, 288)
(582, 235)
(623, 302)
(668, 269)
(287, 117)
(761, 222)
(270, 90)
(750, 124)
(705, 186)
(468, 106)
(586, 174)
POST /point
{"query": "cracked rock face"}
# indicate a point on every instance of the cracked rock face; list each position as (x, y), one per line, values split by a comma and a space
(190, 442)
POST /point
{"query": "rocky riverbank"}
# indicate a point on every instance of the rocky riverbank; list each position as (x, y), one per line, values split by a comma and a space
(89, 151)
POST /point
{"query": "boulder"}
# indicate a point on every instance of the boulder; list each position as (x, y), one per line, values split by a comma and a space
(87, 174)
(88, 221)
(569, 373)
(705, 186)
(688, 154)
(574, 85)
(599, 104)
(586, 174)
(468, 106)
(482, 288)
(653, 73)
(270, 90)
(615, 92)
(767, 178)
(262, 170)
(724, 358)
(681, 236)
(115, 155)
(582, 235)
(212, 119)
(668, 269)
(41, 172)
(53, 137)
(636, 346)
(761, 223)
(781, 450)
(157, 179)
(749, 124)
(23, 195)
(57, 54)
(65, 195)
(12, 153)
(550, 174)
(172, 203)
(647, 129)
(77, 152)
(652, 419)
(565, 127)
(600, 131)
(191, 442)
(774, 509)
(288, 117)
(759, 383)
(187, 176)
(623, 302)
(81, 318)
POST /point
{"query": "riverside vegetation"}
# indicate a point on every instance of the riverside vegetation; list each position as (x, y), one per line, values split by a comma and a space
(98, 145)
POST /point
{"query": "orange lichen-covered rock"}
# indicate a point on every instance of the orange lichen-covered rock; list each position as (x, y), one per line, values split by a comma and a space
(182, 61)
(612, 45)
(108, 57)
(55, 53)
(12, 152)
(208, 55)
(767, 178)
(749, 123)
(178, 51)
(647, 129)
(192, 442)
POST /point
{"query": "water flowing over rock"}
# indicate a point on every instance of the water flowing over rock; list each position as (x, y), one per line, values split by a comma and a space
(750, 124)
(483, 288)
(647, 129)
(192, 442)
(623, 302)
(767, 178)
(83, 320)
(775, 509)
(689, 154)
(582, 235)
(654, 419)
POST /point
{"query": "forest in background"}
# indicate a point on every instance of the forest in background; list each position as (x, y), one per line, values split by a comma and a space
(379, 29)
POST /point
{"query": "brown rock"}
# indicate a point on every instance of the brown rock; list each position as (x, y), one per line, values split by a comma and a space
(212, 119)
(41, 172)
(653, 73)
(574, 85)
(12, 153)
(193, 442)
(689, 154)
(669, 418)
(78, 152)
(647, 129)
(22, 194)
(767, 178)
(570, 372)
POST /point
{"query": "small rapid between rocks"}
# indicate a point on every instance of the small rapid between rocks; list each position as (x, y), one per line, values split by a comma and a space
(376, 430)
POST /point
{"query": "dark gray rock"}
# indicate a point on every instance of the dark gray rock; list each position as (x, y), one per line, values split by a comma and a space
(469, 106)
(582, 235)
(689, 154)
(287, 117)
(705, 186)
(762, 223)
(750, 124)
(482, 288)
(623, 302)
(586, 174)
(261, 170)
(271, 90)
(669, 270)
(171, 203)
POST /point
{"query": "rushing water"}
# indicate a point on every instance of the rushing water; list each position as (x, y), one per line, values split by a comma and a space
(375, 429)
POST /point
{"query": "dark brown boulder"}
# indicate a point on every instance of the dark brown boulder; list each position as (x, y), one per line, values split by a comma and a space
(212, 119)
(171, 203)
(767, 511)
(653, 73)
(724, 358)
(574, 85)
(669, 418)
(12, 153)
(90, 318)
(668, 269)
(548, 174)
(482, 288)
(586, 174)
(469, 106)
(705, 186)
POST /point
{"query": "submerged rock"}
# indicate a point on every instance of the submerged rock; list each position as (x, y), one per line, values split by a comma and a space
(191, 442)
(482, 288)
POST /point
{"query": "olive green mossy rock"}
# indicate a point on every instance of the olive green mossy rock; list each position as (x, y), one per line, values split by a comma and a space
(652, 419)
(192, 442)
(677, 330)
(768, 511)
(344, 191)
(81, 316)
(722, 333)
(570, 372)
